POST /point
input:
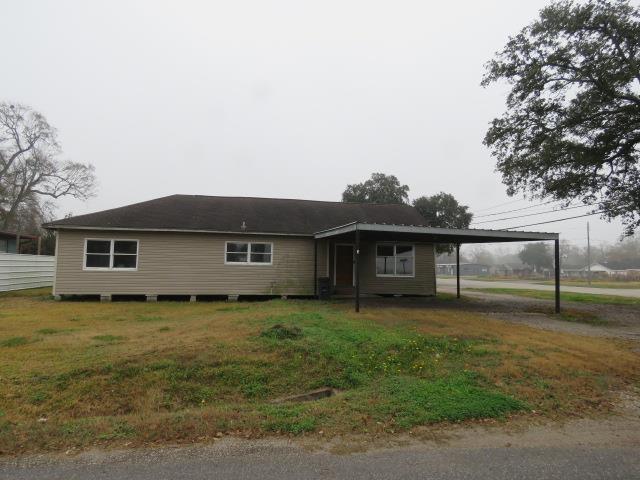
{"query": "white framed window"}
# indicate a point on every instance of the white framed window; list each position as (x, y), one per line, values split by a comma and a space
(395, 260)
(110, 254)
(248, 253)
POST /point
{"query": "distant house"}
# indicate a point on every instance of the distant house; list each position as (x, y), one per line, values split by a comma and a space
(466, 269)
(7, 242)
(12, 242)
(605, 269)
(511, 269)
(599, 268)
(193, 245)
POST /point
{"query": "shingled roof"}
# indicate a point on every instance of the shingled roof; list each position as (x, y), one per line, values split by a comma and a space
(228, 214)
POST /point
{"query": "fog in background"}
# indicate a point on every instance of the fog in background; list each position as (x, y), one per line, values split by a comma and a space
(270, 98)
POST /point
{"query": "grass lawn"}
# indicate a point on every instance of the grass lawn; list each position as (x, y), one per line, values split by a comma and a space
(595, 284)
(77, 374)
(566, 296)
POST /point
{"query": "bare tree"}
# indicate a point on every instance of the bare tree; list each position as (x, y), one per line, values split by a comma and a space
(30, 168)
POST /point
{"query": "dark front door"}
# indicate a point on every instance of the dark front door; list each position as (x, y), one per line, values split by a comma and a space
(344, 265)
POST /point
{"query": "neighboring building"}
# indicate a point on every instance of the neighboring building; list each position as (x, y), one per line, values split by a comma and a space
(11, 242)
(466, 269)
(600, 270)
(512, 269)
(205, 246)
(7, 242)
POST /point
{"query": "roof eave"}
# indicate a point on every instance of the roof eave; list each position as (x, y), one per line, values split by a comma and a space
(497, 235)
(169, 230)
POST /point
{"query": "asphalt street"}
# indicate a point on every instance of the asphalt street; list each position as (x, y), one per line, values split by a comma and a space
(240, 460)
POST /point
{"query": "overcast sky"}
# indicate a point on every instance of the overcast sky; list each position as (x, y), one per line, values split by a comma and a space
(268, 98)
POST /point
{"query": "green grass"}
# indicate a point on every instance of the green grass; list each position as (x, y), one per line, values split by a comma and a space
(53, 331)
(595, 283)
(414, 401)
(14, 342)
(108, 338)
(566, 296)
(571, 315)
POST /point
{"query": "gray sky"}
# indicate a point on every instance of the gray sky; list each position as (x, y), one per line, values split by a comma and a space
(269, 98)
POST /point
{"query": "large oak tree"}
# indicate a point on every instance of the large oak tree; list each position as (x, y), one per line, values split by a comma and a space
(380, 188)
(571, 130)
(443, 210)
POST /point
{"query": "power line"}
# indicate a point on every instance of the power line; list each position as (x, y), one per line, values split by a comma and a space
(553, 221)
(532, 214)
(517, 209)
(501, 204)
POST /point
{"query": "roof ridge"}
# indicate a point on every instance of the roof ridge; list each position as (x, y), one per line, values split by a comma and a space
(287, 199)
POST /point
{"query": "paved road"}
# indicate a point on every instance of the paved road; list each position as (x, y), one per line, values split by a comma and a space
(469, 283)
(283, 462)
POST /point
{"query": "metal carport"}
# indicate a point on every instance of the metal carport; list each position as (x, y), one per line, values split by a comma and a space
(355, 231)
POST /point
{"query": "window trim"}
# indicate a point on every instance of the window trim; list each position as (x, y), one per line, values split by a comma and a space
(395, 275)
(111, 254)
(248, 262)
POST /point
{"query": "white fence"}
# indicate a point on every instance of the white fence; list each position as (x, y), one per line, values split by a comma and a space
(18, 272)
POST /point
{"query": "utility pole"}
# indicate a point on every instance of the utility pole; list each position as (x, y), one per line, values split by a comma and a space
(588, 256)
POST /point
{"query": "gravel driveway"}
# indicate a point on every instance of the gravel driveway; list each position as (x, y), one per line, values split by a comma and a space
(617, 321)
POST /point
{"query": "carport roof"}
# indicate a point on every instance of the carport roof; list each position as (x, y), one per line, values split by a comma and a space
(436, 235)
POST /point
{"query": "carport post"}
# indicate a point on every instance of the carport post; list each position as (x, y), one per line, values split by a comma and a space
(457, 270)
(557, 272)
(315, 267)
(357, 265)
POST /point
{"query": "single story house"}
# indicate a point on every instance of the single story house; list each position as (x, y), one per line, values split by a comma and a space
(602, 270)
(511, 269)
(195, 245)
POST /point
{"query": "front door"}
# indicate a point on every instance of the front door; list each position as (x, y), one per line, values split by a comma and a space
(344, 265)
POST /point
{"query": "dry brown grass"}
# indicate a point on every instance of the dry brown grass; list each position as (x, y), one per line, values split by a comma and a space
(85, 373)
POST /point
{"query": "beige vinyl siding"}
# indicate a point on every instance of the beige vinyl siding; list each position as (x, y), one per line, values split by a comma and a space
(422, 283)
(323, 258)
(186, 264)
(194, 264)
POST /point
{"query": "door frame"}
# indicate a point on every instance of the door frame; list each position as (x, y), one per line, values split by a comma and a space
(353, 265)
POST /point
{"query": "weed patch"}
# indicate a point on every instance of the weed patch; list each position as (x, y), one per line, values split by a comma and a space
(293, 419)
(281, 332)
(52, 331)
(571, 315)
(109, 338)
(14, 342)
(150, 318)
(120, 429)
(409, 401)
